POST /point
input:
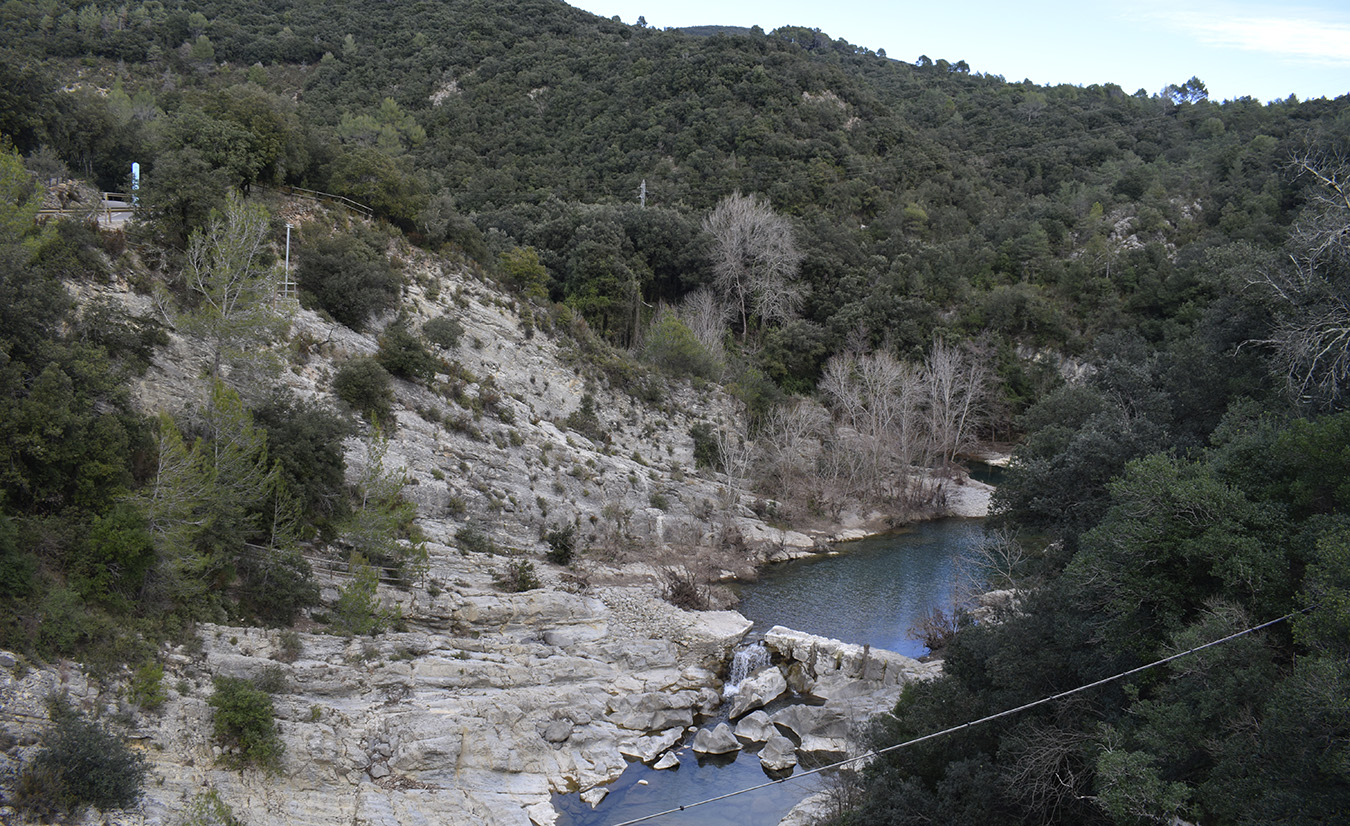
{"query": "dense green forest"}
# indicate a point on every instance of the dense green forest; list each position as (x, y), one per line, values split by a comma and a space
(1187, 258)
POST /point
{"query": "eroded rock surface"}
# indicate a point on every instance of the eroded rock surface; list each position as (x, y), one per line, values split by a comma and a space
(466, 728)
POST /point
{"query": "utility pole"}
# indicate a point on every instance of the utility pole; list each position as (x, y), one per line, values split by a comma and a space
(288, 286)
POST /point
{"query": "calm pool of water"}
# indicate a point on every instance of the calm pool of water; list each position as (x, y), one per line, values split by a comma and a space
(872, 592)
(869, 594)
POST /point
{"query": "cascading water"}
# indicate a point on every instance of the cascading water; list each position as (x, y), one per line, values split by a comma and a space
(745, 661)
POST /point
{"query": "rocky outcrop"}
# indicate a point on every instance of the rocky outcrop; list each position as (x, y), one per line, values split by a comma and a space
(534, 694)
(996, 606)
(843, 685)
(812, 810)
(825, 661)
(823, 732)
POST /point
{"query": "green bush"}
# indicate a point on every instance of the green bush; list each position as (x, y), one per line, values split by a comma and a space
(522, 271)
(207, 809)
(305, 440)
(562, 544)
(443, 226)
(517, 577)
(275, 586)
(475, 541)
(289, 646)
(244, 723)
(65, 622)
(757, 391)
(585, 421)
(405, 355)
(384, 183)
(706, 452)
(80, 764)
(116, 558)
(274, 679)
(443, 331)
(147, 685)
(366, 386)
(673, 347)
(17, 568)
(347, 275)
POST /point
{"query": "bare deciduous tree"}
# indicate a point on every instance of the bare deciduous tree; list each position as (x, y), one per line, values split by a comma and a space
(897, 418)
(996, 561)
(706, 318)
(957, 384)
(790, 441)
(736, 451)
(1311, 340)
(755, 260)
(877, 397)
(1050, 771)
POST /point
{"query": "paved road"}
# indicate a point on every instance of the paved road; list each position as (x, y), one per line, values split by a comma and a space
(114, 214)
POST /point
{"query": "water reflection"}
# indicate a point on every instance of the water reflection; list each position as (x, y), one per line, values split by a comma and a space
(872, 592)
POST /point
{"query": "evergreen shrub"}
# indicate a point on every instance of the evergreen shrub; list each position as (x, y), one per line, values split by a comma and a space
(365, 385)
(80, 764)
(244, 723)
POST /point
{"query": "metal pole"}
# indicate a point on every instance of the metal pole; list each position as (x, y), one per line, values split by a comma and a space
(286, 286)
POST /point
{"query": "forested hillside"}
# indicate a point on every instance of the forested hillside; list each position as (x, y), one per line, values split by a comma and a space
(925, 197)
(1147, 291)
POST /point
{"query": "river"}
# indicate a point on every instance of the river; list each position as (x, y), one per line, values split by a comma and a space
(871, 592)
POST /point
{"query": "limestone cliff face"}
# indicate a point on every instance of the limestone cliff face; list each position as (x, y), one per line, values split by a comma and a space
(490, 702)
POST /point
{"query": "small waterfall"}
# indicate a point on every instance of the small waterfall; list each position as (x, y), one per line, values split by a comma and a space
(745, 661)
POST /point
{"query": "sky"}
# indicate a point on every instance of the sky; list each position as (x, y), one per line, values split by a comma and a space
(1239, 48)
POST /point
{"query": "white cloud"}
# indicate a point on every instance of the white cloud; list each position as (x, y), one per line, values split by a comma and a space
(1299, 38)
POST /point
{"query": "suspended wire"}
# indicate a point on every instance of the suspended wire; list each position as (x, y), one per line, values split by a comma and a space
(961, 727)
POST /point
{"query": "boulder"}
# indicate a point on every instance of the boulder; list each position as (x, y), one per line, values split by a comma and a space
(778, 754)
(669, 760)
(825, 657)
(720, 740)
(647, 748)
(542, 814)
(823, 730)
(558, 731)
(836, 689)
(758, 691)
(755, 727)
(810, 811)
(709, 636)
